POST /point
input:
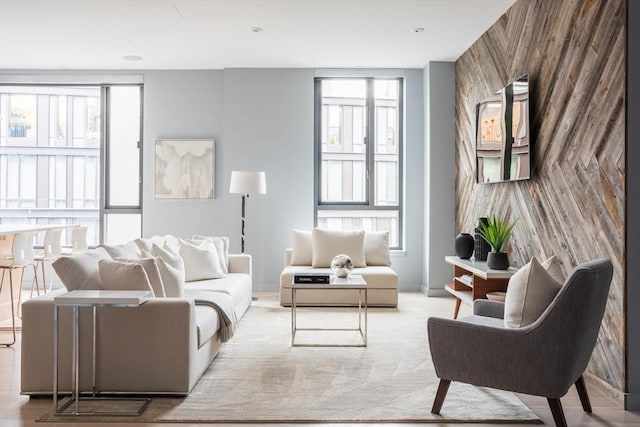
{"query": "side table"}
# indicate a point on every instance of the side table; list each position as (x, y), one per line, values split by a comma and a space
(93, 299)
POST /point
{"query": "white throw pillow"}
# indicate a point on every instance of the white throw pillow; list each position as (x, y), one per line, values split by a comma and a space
(200, 262)
(531, 289)
(153, 273)
(376, 248)
(302, 245)
(553, 267)
(329, 243)
(222, 246)
(123, 276)
(172, 278)
(145, 244)
(169, 256)
(81, 270)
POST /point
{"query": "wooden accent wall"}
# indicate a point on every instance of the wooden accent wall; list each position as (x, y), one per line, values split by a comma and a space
(574, 205)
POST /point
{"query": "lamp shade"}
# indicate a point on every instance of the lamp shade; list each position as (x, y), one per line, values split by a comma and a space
(248, 183)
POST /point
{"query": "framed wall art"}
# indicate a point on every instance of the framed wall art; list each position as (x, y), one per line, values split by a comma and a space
(184, 169)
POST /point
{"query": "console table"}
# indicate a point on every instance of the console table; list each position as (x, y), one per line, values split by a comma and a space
(93, 299)
(473, 279)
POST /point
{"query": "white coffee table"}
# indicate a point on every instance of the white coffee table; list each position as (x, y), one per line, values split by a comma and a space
(336, 284)
(93, 299)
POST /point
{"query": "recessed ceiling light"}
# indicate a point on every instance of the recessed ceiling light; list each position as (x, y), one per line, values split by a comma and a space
(257, 29)
(418, 30)
(132, 58)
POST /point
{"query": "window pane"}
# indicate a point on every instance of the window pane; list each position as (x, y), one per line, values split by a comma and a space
(387, 169)
(367, 220)
(121, 228)
(22, 115)
(124, 154)
(343, 155)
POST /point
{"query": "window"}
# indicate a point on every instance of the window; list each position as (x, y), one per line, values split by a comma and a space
(358, 140)
(58, 145)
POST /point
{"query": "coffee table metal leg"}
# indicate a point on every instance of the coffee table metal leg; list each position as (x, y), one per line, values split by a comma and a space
(76, 360)
(55, 358)
(293, 316)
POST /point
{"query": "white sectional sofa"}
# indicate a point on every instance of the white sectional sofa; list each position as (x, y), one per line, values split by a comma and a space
(160, 347)
(313, 251)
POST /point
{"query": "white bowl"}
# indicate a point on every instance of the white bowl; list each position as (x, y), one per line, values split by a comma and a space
(496, 296)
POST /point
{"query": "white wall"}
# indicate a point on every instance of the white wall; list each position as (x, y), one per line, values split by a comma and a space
(439, 170)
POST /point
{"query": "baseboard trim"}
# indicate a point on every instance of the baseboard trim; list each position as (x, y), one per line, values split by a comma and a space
(607, 389)
(434, 292)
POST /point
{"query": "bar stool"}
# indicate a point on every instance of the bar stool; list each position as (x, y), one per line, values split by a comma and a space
(79, 242)
(52, 250)
(22, 256)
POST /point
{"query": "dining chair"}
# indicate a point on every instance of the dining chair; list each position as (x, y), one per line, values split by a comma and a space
(79, 242)
(51, 251)
(22, 256)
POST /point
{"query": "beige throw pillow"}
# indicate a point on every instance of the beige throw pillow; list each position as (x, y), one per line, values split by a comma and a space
(376, 248)
(531, 289)
(80, 271)
(329, 243)
(126, 250)
(123, 276)
(553, 267)
(153, 273)
(302, 247)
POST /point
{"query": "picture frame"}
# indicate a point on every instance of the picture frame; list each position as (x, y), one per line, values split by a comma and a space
(184, 169)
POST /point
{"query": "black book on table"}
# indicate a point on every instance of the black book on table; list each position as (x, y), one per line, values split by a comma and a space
(310, 278)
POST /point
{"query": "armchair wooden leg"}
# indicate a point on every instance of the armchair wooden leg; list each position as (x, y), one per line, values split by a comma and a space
(558, 413)
(443, 387)
(584, 396)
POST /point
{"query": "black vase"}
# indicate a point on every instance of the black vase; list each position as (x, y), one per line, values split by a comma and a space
(464, 245)
(498, 260)
(481, 248)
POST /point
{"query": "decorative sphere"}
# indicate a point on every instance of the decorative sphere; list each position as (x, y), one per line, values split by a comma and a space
(341, 265)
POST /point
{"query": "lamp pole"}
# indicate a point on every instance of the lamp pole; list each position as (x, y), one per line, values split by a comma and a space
(244, 196)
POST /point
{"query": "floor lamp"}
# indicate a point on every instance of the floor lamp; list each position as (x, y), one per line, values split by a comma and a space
(246, 183)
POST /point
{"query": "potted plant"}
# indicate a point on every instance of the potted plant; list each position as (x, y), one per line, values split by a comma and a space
(496, 231)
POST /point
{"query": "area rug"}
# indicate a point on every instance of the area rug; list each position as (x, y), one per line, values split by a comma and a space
(258, 377)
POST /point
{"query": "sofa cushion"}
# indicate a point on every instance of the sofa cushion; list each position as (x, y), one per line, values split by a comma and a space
(530, 291)
(377, 277)
(329, 243)
(376, 248)
(153, 273)
(123, 276)
(80, 271)
(145, 244)
(302, 244)
(200, 262)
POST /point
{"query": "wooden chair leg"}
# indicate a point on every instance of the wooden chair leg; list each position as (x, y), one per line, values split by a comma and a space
(557, 412)
(457, 308)
(584, 396)
(443, 387)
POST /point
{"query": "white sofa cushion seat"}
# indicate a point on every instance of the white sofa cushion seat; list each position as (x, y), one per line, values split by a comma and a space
(237, 285)
(207, 323)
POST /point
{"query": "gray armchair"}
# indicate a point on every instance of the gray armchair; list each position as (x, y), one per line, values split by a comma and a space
(544, 359)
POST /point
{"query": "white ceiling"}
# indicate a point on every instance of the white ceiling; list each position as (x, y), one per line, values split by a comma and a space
(213, 34)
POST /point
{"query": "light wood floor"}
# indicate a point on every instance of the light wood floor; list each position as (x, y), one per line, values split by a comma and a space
(17, 410)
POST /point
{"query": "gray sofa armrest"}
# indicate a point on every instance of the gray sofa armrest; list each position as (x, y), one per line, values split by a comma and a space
(484, 307)
(240, 263)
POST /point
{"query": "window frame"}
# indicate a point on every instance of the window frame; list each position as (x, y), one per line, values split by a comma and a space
(370, 143)
(104, 207)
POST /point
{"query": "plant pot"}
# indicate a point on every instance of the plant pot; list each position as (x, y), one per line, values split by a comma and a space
(464, 245)
(498, 260)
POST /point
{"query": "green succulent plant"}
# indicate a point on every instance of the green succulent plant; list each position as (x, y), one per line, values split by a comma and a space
(496, 231)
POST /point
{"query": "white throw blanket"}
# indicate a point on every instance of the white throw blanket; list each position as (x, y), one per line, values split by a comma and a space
(223, 304)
